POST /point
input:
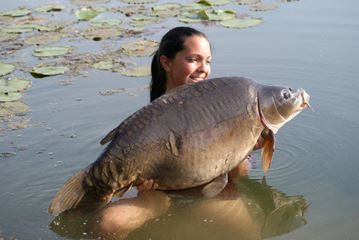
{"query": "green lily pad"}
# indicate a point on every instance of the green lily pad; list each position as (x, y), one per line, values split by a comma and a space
(48, 70)
(10, 96)
(241, 23)
(139, 1)
(141, 21)
(104, 65)
(45, 38)
(6, 68)
(108, 22)
(16, 12)
(8, 109)
(50, 8)
(86, 14)
(20, 28)
(216, 15)
(138, 71)
(166, 10)
(50, 51)
(213, 2)
(140, 48)
(13, 85)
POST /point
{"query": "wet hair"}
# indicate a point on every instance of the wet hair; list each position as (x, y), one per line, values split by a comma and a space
(171, 43)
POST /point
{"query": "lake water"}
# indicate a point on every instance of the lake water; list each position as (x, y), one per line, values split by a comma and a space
(309, 44)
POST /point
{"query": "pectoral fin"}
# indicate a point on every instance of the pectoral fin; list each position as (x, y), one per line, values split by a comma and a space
(268, 149)
(216, 186)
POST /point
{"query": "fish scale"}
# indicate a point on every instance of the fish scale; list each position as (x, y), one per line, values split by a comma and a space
(192, 135)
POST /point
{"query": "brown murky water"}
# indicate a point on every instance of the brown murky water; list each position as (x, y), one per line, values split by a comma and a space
(311, 191)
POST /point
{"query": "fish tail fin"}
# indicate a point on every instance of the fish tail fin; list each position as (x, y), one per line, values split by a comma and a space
(70, 195)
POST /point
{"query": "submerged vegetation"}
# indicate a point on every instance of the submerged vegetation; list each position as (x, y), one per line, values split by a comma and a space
(123, 27)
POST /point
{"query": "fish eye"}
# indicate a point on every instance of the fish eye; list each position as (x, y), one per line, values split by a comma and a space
(286, 94)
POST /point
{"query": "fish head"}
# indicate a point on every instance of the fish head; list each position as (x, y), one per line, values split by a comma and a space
(278, 105)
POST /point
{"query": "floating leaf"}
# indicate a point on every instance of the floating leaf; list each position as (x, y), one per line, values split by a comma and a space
(45, 38)
(31, 20)
(50, 8)
(8, 109)
(263, 7)
(139, 1)
(216, 15)
(241, 23)
(141, 21)
(10, 96)
(16, 12)
(20, 28)
(88, 2)
(140, 48)
(109, 22)
(166, 10)
(50, 51)
(213, 2)
(104, 65)
(49, 70)
(247, 2)
(139, 71)
(86, 13)
(97, 33)
(6, 68)
(13, 85)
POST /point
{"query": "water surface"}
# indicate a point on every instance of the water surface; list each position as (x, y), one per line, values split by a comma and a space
(309, 44)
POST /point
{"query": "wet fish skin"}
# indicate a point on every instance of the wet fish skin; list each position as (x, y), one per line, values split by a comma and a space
(183, 139)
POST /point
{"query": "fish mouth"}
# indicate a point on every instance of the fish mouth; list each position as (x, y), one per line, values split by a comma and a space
(305, 100)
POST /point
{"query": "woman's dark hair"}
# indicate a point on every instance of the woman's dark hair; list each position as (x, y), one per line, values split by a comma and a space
(171, 43)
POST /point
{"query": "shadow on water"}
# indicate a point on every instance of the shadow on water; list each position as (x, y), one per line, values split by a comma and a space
(246, 209)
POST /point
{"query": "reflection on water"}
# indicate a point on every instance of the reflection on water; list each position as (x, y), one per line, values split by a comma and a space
(246, 209)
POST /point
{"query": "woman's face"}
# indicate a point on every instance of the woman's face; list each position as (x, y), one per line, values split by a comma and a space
(190, 65)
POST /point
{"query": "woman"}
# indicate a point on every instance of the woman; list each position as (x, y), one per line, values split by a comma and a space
(183, 57)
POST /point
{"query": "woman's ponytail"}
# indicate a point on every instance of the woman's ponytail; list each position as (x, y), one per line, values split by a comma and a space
(158, 81)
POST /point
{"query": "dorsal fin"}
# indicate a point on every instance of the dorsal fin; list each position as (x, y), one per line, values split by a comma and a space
(110, 136)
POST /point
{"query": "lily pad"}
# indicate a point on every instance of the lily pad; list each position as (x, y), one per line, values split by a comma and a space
(97, 33)
(208, 15)
(13, 85)
(6, 68)
(45, 38)
(138, 71)
(16, 12)
(88, 2)
(247, 2)
(141, 21)
(48, 70)
(213, 2)
(241, 23)
(10, 96)
(108, 22)
(51, 51)
(216, 15)
(104, 65)
(140, 48)
(50, 8)
(86, 14)
(20, 28)
(263, 7)
(8, 109)
(139, 1)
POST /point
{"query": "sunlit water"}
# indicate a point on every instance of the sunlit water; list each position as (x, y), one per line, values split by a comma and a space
(309, 44)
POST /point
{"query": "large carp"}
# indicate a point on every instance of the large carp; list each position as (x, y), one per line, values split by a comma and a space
(193, 135)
